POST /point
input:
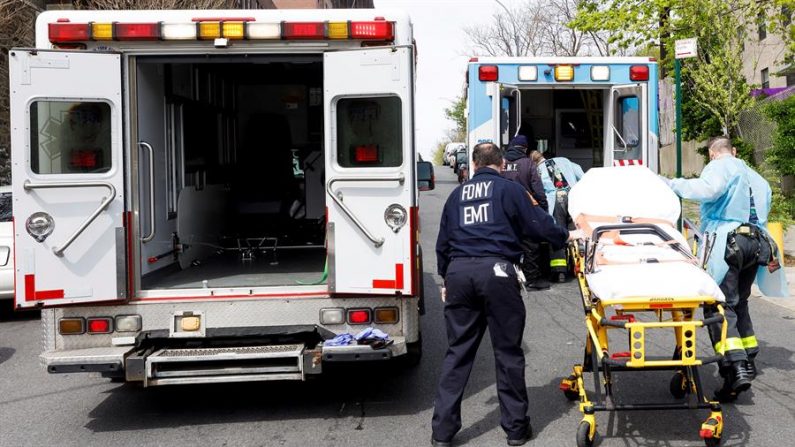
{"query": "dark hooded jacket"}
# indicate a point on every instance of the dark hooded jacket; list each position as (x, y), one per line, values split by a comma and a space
(521, 169)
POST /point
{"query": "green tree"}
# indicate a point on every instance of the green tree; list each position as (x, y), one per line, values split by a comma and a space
(457, 114)
(782, 154)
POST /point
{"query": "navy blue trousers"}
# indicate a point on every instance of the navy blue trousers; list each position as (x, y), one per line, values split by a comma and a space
(481, 293)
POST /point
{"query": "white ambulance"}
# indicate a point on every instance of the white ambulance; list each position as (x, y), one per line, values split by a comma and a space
(210, 196)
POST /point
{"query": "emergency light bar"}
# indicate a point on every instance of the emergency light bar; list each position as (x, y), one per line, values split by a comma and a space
(233, 29)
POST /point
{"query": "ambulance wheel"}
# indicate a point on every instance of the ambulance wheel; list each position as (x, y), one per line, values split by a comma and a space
(712, 442)
(679, 385)
(583, 435)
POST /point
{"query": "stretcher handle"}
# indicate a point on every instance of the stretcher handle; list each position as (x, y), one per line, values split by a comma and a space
(717, 318)
(608, 361)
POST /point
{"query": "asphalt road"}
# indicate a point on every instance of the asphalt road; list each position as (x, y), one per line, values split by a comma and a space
(385, 405)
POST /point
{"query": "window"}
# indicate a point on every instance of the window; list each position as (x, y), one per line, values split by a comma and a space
(6, 214)
(70, 137)
(628, 121)
(174, 156)
(762, 23)
(786, 17)
(765, 78)
(369, 132)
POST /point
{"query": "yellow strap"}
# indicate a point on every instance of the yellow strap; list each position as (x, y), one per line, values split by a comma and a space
(557, 263)
(750, 342)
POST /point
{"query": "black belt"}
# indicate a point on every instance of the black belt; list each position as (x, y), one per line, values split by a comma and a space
(747, 230)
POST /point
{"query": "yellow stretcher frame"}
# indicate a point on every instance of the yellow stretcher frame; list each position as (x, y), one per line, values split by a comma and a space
(597, 358)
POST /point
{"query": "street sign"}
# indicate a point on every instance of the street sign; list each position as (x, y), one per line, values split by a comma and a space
(686, 48)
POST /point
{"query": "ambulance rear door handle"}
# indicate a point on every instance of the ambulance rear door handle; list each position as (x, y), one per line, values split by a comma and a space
(377, 241)
(28, 185)
(151, 155)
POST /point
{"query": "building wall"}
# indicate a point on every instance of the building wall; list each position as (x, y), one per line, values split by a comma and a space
(764, 54)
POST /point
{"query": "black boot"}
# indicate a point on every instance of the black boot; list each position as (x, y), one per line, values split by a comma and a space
(740, 377)
(750, 368)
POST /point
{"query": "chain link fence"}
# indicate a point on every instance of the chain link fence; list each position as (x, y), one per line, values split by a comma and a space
(757, 129)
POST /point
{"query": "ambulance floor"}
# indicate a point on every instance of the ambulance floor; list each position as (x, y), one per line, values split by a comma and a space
(289, 267)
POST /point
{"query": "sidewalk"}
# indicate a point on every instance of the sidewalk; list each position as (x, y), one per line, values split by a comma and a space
(789, 249)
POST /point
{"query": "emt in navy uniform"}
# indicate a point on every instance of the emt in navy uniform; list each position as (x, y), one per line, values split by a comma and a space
(518, 167)
(483, 223)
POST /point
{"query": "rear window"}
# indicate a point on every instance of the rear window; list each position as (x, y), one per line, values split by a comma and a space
(369, 132)
(70, 137)
(5, 207)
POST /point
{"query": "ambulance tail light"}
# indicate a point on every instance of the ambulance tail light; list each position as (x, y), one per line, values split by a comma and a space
(303, 30)
(564, 73)
(263, 31)
(378, 30)
(71, 326)
(100, 325)
(488, 73)
(639, 73)
(68, 32)
(360, 316)
(179, 31)
(367, 153)
(387, 315)
(136, 31)
(102, 31)
(128, 323)
(600, 73)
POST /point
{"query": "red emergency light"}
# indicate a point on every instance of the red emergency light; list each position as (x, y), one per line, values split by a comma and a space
(68, 32)
(303, 30)
(372, 30)
(366, 154)
(488, 73)
(639, 73)
(136, 31)
(359, 316)
(100, 325)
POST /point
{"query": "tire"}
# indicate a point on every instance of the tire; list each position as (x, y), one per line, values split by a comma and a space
(582, 435)
(413, 354)
(678, 386)
(571, 395)
(713, 442)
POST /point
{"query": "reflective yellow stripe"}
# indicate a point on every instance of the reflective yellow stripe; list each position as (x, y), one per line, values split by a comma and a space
(750, 342)
(557, 263)
(732, 344)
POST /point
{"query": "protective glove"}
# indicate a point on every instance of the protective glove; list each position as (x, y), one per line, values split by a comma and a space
(666, 180)
(575, 235)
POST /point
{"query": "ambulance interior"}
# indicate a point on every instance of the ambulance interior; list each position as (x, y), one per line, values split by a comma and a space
(236, 186)
(572, 122)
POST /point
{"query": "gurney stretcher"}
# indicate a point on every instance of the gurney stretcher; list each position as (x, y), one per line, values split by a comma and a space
(628, 267)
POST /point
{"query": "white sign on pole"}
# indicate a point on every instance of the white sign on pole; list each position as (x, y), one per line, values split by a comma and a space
(686, 48)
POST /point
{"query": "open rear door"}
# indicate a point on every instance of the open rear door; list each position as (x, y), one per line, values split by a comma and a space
(506, 105)
(68, 177)
(626, 136)
(371, 192)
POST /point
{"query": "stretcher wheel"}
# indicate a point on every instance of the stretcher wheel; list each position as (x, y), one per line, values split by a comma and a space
(714, 442)
(572, 395)
(583, 434)
(679, 385)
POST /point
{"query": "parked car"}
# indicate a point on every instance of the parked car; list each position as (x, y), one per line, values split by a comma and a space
(450, 151)
(6, 245)
(463, 172)
(461, 157)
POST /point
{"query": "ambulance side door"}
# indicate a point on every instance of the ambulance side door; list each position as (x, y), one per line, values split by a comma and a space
(506, 106)
(68, 177)
(626, 136)
(370, 170)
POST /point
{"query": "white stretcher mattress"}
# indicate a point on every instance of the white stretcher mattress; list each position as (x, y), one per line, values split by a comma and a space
(637, 192)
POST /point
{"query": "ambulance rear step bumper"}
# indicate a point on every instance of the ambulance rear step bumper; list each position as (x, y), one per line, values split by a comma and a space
(224, 365)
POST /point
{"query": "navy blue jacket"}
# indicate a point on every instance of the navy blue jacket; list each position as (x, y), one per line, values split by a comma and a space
(489, 216)
(521, 169)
